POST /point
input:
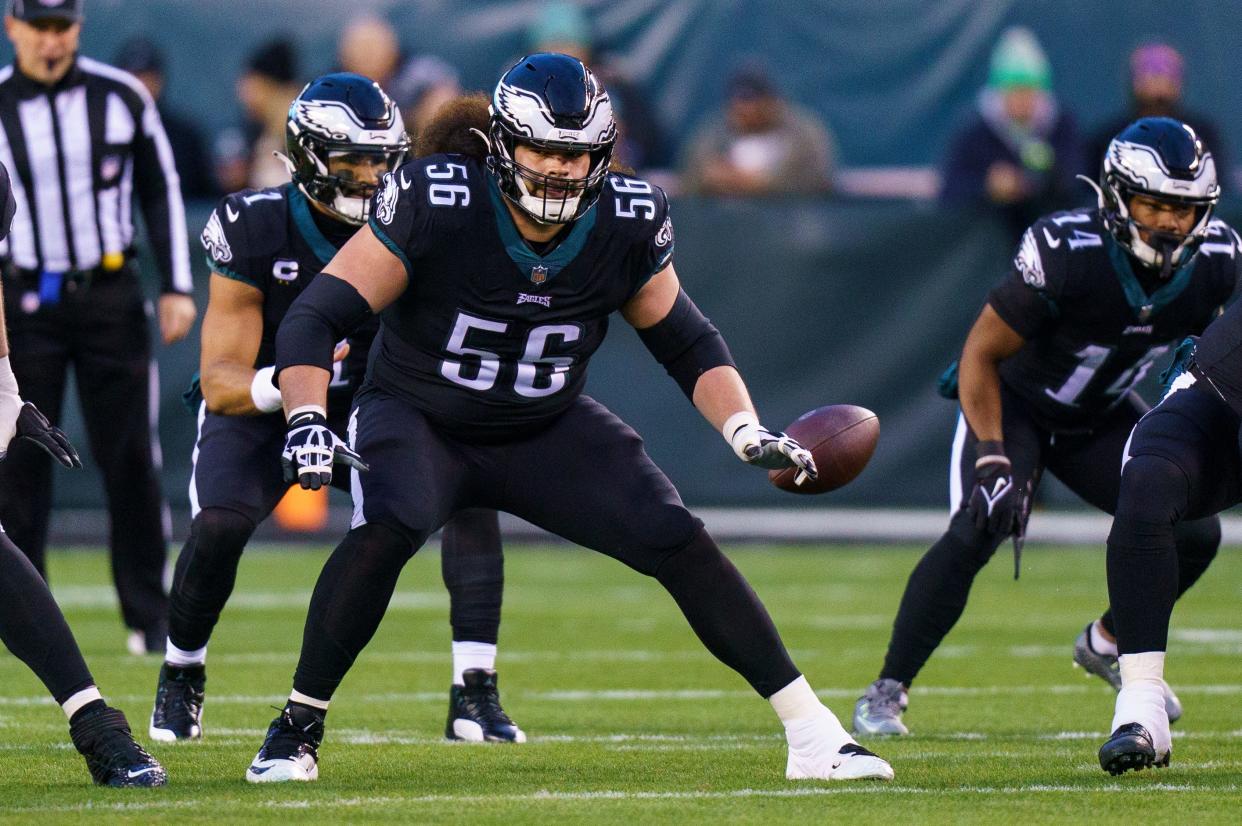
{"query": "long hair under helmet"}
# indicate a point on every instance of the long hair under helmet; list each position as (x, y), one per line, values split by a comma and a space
(550, 101)
(337, 115)
(1161, 158)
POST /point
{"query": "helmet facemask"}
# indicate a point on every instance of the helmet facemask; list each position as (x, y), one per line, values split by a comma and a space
(1164, 250)
(548, 199)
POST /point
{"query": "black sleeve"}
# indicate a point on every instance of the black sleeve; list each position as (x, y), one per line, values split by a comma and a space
(400, 220)
(1024, 298)
(652, 249)
(159, 194)
(233, 241)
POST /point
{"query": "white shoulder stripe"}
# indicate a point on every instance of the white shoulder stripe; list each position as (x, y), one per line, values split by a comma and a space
(94, 67)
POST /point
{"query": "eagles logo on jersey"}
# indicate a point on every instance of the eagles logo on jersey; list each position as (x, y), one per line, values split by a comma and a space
(213, 239)
(386, 204)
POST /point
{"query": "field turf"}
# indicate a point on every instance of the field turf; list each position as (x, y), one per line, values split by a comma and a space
(631, 721)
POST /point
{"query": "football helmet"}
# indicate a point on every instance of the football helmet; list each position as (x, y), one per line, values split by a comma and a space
(1164, 159)
(550, 101)
(342, 116)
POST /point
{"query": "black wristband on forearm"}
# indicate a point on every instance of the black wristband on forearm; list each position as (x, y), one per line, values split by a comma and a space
(990, 452)
(327, 311)
(687, 344)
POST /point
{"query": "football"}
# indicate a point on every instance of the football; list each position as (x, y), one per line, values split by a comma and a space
(841, 437)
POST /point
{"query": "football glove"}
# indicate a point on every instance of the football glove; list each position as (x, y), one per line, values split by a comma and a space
(755, 445)
(311, 448)
(995, 502)
(22, 420)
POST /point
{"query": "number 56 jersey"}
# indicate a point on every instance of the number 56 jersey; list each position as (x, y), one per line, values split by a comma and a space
(491, 340)
(1095, 320)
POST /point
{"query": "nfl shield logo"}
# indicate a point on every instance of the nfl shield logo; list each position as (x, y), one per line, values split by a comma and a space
(538, 274)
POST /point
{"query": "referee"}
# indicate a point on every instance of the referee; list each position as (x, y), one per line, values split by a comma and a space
(82, 139)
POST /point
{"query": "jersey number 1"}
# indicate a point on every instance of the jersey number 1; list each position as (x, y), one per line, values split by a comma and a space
(531, 381)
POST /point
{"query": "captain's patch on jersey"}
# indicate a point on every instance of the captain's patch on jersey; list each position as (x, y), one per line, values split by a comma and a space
(213, 239)
(387, 207)
(1028, 261)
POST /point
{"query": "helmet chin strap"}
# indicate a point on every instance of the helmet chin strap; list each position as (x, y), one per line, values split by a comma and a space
(1099, 193)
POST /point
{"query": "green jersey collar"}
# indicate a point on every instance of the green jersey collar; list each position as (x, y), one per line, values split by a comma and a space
(1145, 306)
(538, 268)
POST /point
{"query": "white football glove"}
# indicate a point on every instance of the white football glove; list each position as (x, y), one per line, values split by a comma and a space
(755, 445)
(311, 448)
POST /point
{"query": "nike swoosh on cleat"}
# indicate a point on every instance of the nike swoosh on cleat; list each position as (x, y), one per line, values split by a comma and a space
(132, 774)
(837, 765)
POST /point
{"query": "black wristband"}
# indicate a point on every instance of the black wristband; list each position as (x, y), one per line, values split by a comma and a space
(989, 448)
(306, 417)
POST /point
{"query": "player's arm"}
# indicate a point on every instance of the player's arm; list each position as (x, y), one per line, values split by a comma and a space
(696, 356)
(232, 332)
(362, 279)
(990, 342)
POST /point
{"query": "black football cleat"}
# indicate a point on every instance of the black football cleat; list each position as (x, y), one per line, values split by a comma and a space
(291, 749)
(475, 714)
(178, 711)
(103, 737)
(1130, 747)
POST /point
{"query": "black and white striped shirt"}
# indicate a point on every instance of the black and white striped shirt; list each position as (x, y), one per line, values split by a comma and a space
(79, 151)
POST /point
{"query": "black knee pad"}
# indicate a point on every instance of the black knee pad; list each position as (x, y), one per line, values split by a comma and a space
(220, 528)
(1153, 490)
(375, 546)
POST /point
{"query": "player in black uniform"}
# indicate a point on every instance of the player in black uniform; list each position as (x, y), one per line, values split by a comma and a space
(496, 280)
(32, 626)
(264, 247)
(1094, 298)
(1182, 462)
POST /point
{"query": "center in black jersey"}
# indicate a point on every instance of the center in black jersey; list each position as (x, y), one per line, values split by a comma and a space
(1093, 321)
(491, 340)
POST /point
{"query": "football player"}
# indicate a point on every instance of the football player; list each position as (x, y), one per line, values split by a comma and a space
(1095, 296)
(31, 624)
(264, 247)
(495, 274)
(1182, 462)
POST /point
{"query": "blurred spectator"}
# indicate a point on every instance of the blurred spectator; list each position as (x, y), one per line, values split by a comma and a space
(369, 47)
(1020, 150)
(563, 27)
(761, 144)
(424, 84)
(1156, 74)
(143, 59)
(244, 155)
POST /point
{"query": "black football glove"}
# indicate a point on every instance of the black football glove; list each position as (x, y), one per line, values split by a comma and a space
(310, 450)
(34, 426)
(995, 502)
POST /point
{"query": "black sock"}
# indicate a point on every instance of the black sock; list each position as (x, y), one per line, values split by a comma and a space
(726, 614)
(34, 629)
(205, 574)
(473, 567)
(935, 597)
(349, 601)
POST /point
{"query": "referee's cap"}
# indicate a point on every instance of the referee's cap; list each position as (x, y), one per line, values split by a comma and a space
(32, 10)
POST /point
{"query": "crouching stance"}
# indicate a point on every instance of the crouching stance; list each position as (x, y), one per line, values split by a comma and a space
(496, 274)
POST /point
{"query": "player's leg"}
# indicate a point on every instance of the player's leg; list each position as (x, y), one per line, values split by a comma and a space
(39, 355)
(588, 479)
(1182, 463)
(939, 586)
(234, 484)
(34, 629)
(473, 567)
(117, 378)
(411, 489)
(1090, 465)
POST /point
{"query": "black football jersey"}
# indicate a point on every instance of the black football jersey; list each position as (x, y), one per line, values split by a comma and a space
(267, 238)
(1094, 320)
(490, 339)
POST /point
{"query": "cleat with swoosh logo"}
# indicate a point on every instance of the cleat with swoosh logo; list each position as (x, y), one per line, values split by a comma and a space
(114, 758)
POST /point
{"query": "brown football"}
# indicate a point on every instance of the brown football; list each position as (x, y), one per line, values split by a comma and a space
(841, 437)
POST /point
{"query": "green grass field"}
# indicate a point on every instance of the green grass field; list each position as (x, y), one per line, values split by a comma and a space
(631, 721)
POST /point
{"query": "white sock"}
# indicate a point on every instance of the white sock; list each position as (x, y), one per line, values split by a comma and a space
(1141, 699)
(467, 655)
(1100, 644)
(77, 701)
(809, 724)
(296, 696)
(179, 656)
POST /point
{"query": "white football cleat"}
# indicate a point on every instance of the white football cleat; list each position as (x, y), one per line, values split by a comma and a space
(820, 750)
(290, 751)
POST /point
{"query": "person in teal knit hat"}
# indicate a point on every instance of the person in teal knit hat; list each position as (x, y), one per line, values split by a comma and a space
(1020, 151)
